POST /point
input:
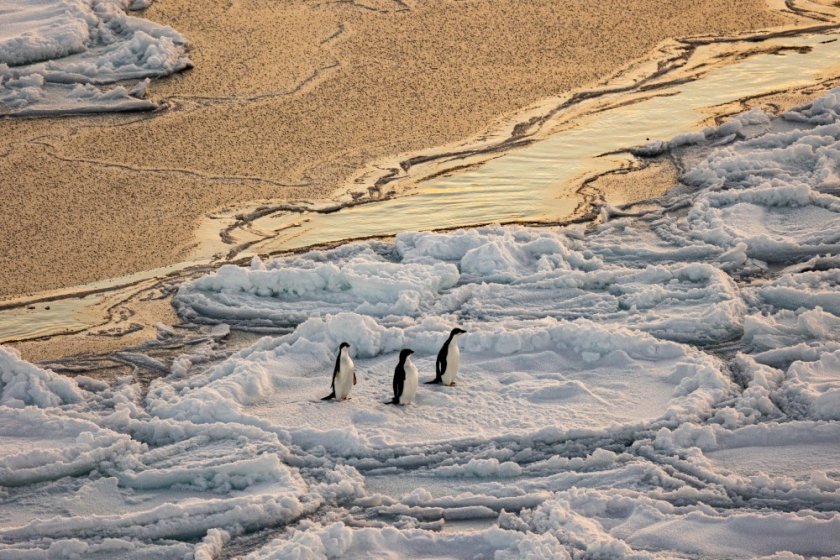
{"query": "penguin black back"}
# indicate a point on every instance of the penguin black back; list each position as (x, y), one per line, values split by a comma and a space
(440, 363)
(399, 376)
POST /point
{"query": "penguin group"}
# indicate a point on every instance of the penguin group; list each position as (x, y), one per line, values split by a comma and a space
(406, 376)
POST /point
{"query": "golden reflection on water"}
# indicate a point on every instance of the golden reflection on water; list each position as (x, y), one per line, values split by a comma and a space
(538, 182)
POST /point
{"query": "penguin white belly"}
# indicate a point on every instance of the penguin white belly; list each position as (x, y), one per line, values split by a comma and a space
(344, 379)
(453, 360)
(410, 385)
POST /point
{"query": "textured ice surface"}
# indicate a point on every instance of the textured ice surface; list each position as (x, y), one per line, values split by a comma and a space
(565, 376)
(657, 386)
(491, 274)
(54, 55)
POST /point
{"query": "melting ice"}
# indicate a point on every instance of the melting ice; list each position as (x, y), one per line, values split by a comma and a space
(664, 385)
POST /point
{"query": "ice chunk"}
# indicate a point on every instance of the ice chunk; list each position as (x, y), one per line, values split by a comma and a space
(55, 53)
(22, 384)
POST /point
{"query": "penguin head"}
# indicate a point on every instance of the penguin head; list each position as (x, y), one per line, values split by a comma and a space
(456, 331)
(405, 353)
(342, 346)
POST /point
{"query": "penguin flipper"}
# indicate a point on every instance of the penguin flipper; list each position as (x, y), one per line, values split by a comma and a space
(354, 378)
(436, 380)
(440, 364)
(392, 401)
(335, 372)
(398, 389)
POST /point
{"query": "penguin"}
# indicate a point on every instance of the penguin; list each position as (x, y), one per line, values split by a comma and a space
(405, 379)
(448, 359)
(344, 375)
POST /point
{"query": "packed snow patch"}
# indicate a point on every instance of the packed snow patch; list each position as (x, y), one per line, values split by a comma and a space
(576, 375)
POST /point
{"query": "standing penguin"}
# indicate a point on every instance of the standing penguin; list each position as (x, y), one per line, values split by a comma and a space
(448, 359)
(405, 379)
(344, 375)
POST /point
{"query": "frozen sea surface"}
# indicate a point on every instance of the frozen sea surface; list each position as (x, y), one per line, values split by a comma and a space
(56, 54)
(664, 385)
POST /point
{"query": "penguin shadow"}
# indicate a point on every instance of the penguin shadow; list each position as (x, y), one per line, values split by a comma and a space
(327, 402)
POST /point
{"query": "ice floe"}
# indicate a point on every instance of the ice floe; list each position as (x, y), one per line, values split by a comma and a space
(55, 55)
(661, 385)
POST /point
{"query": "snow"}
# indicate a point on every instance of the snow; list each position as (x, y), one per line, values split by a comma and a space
(536, 376)
(54, 55)
(484, 273)
(663, 385)
(22, 383)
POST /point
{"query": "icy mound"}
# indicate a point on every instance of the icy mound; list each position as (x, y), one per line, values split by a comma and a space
(286, 293)
(815, 386)
(488, 274)
(123, 484)
(772, 192)
(39, 446)
(22, 383)
(41, 30)
(776, 223)
(340, 541)
(53, 54)
(810, 289)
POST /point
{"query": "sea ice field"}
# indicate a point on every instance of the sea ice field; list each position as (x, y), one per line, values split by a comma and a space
(658, 384)
(55, 56)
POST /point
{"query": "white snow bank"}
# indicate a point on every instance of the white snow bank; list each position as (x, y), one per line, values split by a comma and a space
(337, 540)
(100, 478)
(38, 30)
(293, 290)
(54, 54)
(803, 450)
(124, 549)
(185, 520)
(786, 328)
(810, 289)
(487, 274)
(771, 192)
(41, 446)
(816, 385)
(76, 484)
(625, 524)
(22, 384)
